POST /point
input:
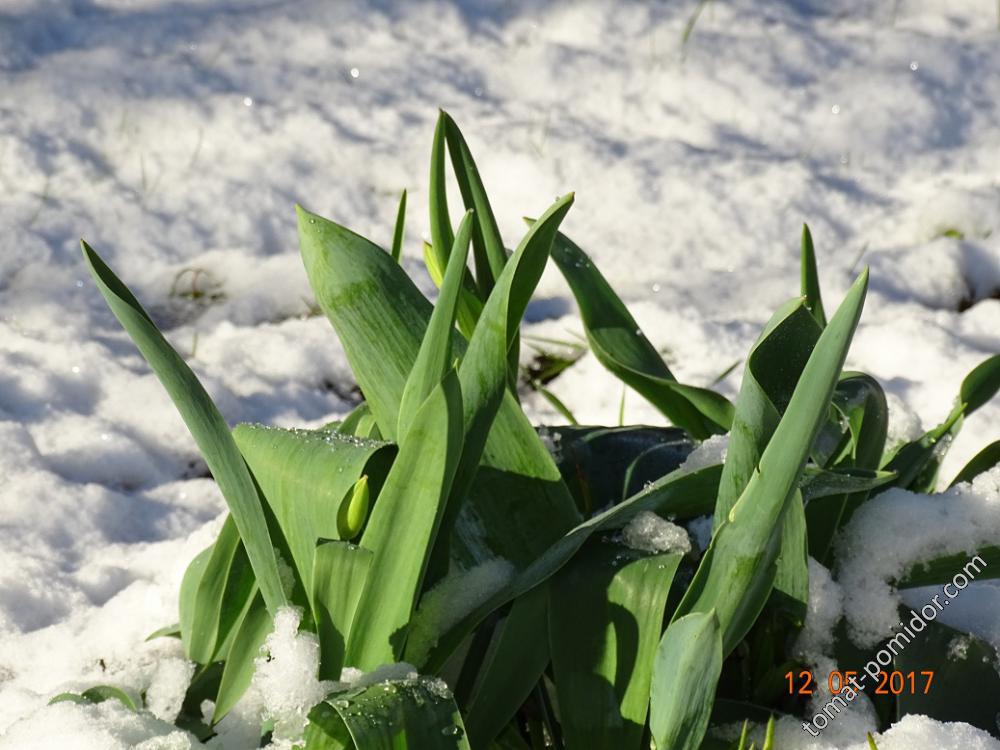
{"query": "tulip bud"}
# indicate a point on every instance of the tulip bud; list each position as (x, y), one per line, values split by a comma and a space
(354, 510)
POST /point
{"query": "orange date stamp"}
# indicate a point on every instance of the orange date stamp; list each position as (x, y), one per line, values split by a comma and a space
(889, 683)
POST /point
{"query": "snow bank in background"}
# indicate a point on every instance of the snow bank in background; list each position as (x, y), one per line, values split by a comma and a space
(898, 530)
(177, 143)
(650, 533)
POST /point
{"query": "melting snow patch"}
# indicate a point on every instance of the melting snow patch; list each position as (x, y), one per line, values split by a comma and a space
(650, 533)
(452, 598)
(710, 452)
(916, 732)
(104, 726)
(284, 688)
(166, 691)
(912, 732)
(898, 530)
(826, 601)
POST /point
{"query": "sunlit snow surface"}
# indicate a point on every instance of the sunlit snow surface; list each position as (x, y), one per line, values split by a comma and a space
(176, 137)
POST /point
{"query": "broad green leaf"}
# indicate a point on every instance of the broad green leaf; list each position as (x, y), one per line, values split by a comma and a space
(686, 670)
(349, 424)
(99, 694)
(326, 730)
(378, 313)
(774, 366)
(981, 384)
(241, 587)
(982, 462)
(488, 245)
(214, 592)
(434, 358)
(917, 462)
(403, 527)
(941, 570)
(483, 370)
(189, 610)
(677, 496)
(605, 621)
(791, 573)
(810, 278)
(516, 658)
(517, 506)
(619, 345)
(305, 476)
(830, 483)
(736, 572)
(359, 423)
(238, 671)
(397, 232)
(859, 401)
(339, 577)
(773, 369)
(410, 714)
(209, 429)
(442, 236)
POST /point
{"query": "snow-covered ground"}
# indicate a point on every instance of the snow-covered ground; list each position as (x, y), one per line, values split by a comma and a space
(176, 136)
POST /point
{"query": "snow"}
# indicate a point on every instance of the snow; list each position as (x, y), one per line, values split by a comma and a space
(454, 596)
(924, 527)
(650, 533)
(284, 687)
(913, 732)
(826, 607)
(176, 143)
(709, 452)
(104, 726)
(170, 681)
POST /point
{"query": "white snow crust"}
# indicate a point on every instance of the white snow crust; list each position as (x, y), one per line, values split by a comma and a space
(709, 452)
(650, 533)
(177, 142)
(895, 532)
